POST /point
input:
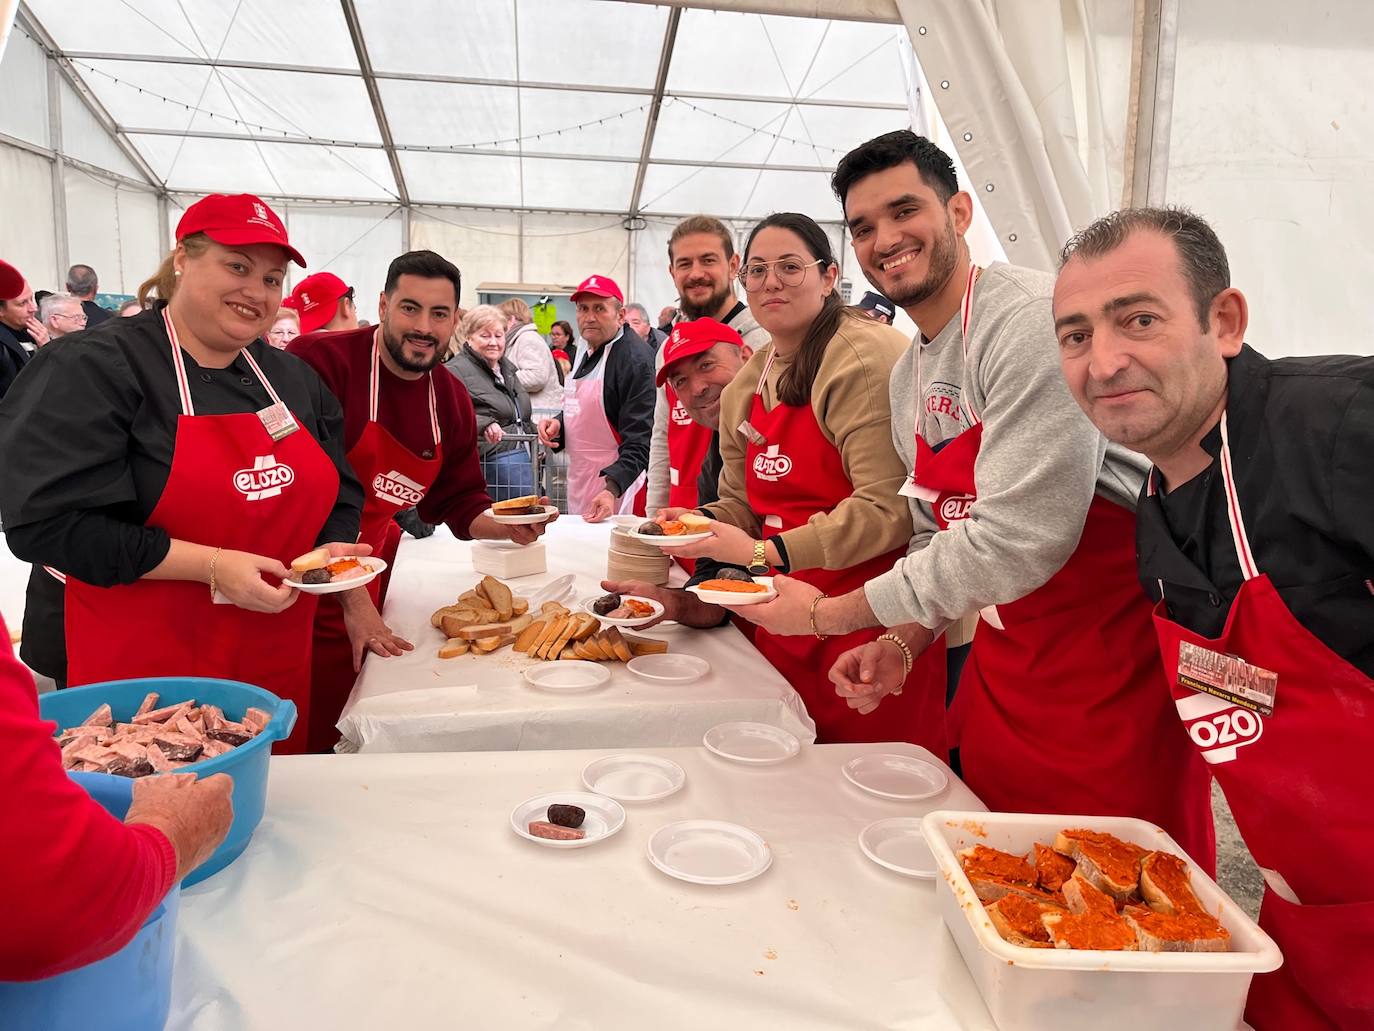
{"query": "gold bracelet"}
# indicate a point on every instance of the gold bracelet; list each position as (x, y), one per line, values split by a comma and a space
(908, 660)
(213, 559)
(814, 602)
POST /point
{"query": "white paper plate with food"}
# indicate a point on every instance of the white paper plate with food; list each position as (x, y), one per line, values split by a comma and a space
(709, 852)
(754, 744)
(521, 511)
(669, 669)
(634, 778)
(898, 844)
(318, 572)
(725, 591)
(672, 533)
(901, 778)
(623, 609)
(566, 676)
(567, 819)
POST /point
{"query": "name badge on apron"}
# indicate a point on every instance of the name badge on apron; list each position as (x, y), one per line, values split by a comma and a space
(752, 435)
(909, 489)
(1228, 677)
(278, 421)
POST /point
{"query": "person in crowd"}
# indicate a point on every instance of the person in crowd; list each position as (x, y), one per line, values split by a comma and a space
(608, 408)
(501, 404)
(809, 476)
(667, 315)
(703, 264)
(411, 436)
(78, 883)
(61, 314)
(1255, 543)
(286, 326)
(561, 339)
(324, 303)
(207, 461)
(530, 355)
(129, 308)
(1023, 512)
(637, 317)
(84, 284)
(877, 307)
(700, 359)
(564, 364)
(20, 331)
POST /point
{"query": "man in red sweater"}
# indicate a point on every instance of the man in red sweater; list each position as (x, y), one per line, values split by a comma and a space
(410, 434)
(78, 883)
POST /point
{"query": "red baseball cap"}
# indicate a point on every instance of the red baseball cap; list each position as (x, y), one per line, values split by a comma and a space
(598, 286)
(11, 282)
(316, 298)
(693, 338)
(234, 219)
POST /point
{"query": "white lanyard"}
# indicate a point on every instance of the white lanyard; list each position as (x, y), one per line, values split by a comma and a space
(772, 353)
(965, 314)
(1244, 556)
(375, 383)
(184, 386)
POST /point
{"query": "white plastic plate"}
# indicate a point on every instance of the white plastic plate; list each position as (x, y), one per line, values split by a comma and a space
(709, 852)
(755, 744)
(902, 778)
(634, 778)
(636, 621)
(378, 567)
(735, 599)
(524, 520)
(555, 590)
(665, 541)
(605, 816)
(669, 669)
(566, 676)
(627, 522)
(899, 845)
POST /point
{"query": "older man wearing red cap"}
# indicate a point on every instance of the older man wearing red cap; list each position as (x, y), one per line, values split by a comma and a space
(608, 408)
(17, 324)
(324, 303)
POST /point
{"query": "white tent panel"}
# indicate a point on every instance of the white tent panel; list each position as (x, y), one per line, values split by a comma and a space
(1283, 176)
(485, 245)
(511, 182)
(113, 229)
(551, 112)
(24, 85)
(84, 138)
(475, 38)
(569, 248)
(26, 216)
(355, 242)
(280, 169)
(597, 185)
(590, 42)
(737, 192)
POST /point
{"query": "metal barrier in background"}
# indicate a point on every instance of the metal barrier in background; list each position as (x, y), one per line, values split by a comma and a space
(528, 468)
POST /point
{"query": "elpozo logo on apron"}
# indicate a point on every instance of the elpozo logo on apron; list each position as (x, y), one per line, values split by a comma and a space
(1218, 727)
(955, 508)
(267, 479)
(679, 415)
(397, 488)
(772, 465)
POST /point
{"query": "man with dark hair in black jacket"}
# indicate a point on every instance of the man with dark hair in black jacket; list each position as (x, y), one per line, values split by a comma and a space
(17, 324)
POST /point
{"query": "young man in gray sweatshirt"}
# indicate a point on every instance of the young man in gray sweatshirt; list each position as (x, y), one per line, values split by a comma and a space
(1023, 513)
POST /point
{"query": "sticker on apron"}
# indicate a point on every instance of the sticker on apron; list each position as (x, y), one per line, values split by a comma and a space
(278, 421)
(752, 435)
(1228, 677)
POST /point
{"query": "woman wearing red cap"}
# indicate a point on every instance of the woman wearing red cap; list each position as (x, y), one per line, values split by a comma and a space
(174, 462)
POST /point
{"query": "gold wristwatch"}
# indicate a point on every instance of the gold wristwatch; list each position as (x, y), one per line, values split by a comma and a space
(758, 566)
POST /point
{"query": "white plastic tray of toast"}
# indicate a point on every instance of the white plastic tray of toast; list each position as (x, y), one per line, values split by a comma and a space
(1079, 990)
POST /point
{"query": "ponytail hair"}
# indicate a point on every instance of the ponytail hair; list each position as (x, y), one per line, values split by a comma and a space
(794, 385)
(163, 283)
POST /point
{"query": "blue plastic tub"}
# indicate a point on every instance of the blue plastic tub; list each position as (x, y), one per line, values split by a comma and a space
(247, 764)
(129, 991)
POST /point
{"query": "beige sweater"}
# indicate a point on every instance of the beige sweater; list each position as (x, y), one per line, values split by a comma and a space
(851, 401)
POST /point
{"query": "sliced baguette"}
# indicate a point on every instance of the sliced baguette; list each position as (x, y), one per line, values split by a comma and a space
(452, 622)
(1017, 920)
(1083, 896)
(645, 645)
(519, 606)
(499, 595)
(569, 623)
(472, 600)
(1176, 932)
(1108, 863)
(453, 648)
(544, 644)
(529, 635)
(490, 644)
(590, 625)
(480, 630)
(317, 559)
(480, 590)
(618, 645)
(1165, 884)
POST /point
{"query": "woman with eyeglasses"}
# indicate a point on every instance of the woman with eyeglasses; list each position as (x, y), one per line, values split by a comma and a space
(809, 476)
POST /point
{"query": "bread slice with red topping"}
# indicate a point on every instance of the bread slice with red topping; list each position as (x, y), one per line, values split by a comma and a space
(1176, 932)
(1104, 860)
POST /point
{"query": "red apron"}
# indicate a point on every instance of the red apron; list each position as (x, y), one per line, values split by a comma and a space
(393, 477)
(795, 474)
(688, 442)
(230, 486)
(1059, 708)
(1298, 782)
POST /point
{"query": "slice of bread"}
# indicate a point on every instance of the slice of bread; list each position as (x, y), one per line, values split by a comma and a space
(499, 595)
(1083, 897)
(1176, 932)
(1097, 931)
(452, 649)
(1051, 869)
(317, 559)
(515, 504)
(1017, 920)
(694, 522)
(1108, 863)
(1166, 884)
(529, 635)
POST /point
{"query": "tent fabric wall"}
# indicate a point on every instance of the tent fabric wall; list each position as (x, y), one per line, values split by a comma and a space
(24, 85)
(27, 240)
(111, 228)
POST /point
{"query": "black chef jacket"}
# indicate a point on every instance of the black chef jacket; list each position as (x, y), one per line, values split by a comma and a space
(1302, 451)
(86, 441)
(13, 356)
(95, 314)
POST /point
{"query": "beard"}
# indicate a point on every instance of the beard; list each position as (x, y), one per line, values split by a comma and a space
(942, 261)
(710, 309)
(396, 347)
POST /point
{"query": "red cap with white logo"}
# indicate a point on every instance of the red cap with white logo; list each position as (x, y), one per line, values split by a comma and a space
(316, 298)
(11, 282)
(693, 338)
(598, 286)
(236, 220)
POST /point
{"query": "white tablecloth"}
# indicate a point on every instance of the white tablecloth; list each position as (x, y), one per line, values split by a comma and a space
(418, 702)
(389, 891)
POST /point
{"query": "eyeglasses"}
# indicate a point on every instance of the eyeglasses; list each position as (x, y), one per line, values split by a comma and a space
(790, 272)
(78, 317)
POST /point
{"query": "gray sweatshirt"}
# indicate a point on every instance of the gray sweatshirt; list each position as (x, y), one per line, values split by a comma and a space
(659, 471)
(1038, 467)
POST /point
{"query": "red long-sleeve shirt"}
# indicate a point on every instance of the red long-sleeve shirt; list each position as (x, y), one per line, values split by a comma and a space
(78, 883)
(344, 361)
